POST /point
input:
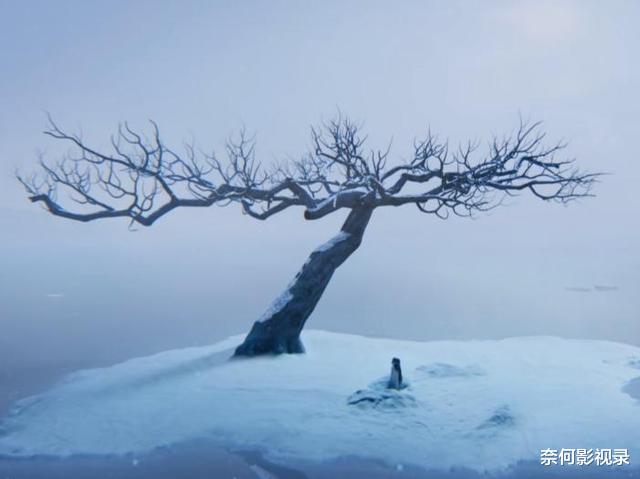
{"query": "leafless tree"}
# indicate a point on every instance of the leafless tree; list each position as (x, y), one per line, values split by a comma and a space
(142, 179)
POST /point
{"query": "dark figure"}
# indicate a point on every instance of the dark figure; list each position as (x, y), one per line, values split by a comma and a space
(395, 379)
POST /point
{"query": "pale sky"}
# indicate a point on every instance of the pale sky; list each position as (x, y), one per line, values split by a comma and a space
(201, 70)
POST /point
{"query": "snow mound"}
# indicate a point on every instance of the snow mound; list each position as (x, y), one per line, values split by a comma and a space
(443, 370)
(379, 396)
(484, 405)
(501, 417)
(389, 399)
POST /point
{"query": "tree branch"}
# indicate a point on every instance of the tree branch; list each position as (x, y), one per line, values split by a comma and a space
(142, 179)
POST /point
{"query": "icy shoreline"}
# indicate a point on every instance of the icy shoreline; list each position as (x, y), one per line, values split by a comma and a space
(479, 405)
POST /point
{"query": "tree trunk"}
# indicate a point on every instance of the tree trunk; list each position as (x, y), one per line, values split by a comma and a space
(278, 331)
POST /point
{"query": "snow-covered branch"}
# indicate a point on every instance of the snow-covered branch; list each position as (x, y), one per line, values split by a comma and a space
(142, 179)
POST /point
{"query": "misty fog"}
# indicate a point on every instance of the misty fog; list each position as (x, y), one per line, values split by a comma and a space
(77, 295)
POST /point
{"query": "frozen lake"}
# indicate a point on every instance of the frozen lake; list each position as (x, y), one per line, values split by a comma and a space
(445, 377)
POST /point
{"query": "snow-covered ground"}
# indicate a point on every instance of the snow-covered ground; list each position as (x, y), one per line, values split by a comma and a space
(482, 405)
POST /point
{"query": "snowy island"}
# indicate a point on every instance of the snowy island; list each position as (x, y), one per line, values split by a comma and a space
(480, 405)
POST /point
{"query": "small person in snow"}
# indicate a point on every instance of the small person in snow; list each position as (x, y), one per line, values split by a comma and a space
(395, 379)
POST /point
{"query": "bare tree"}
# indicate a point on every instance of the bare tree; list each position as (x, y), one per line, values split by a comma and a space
(142, 179)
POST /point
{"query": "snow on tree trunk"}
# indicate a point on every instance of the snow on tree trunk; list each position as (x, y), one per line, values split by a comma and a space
(278, 330)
